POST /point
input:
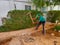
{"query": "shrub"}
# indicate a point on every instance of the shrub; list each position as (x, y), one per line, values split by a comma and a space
(57, 27)
(18, 20)
(53, 16)
(3, 28)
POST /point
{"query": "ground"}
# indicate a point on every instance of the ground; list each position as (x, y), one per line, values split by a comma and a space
(30, 37)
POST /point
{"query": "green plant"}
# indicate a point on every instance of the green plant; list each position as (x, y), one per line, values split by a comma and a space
(52, 16)
(18, 20)
(57, 27)
(3, 29)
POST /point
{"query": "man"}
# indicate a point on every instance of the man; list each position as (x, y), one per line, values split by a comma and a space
(41, 20)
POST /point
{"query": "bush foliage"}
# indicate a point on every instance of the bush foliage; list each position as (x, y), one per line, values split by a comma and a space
(52, 16)
(57, 27)
(18, 20)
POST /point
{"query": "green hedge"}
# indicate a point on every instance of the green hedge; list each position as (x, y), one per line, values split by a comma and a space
(18, 20)
(57, 27)
(3, 29)
(52, 16)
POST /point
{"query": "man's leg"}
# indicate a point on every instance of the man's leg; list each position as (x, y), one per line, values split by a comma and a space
(38, 25)
(43, 31)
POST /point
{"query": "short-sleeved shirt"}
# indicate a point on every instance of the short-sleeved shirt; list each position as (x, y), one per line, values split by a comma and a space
(40, 17)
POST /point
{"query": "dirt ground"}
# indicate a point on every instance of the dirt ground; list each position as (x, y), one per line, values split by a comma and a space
(30, 37)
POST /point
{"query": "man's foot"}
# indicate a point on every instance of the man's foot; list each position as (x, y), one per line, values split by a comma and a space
(43, 32)
(35, 29)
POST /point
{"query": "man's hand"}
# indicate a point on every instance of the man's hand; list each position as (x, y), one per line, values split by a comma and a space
(34, 18)
(35, 22)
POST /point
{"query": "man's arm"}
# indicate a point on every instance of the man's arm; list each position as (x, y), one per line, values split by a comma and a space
(35, 17)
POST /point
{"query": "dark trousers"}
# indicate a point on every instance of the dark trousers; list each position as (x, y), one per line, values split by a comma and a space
(43, 24)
